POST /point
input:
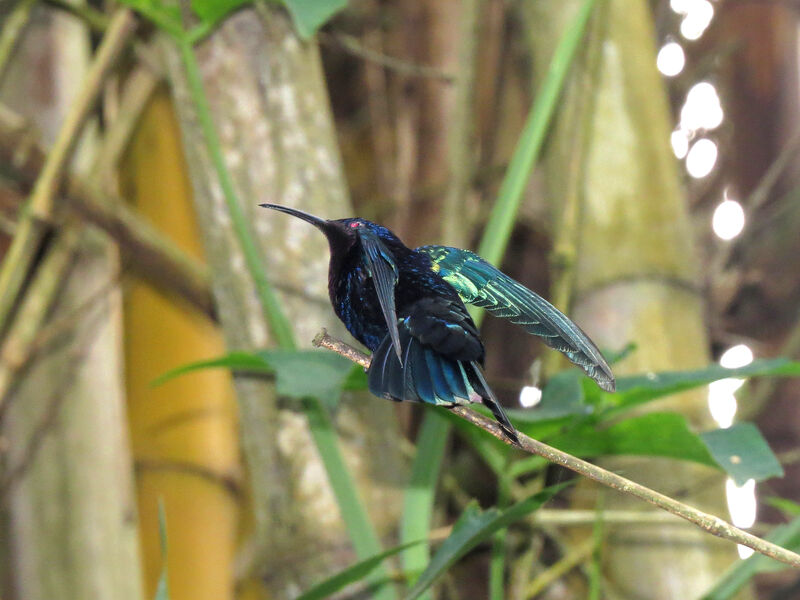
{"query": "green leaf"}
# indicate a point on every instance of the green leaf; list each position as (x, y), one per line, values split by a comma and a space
(235, 361)
(298, 373)
(310, 15)
(743, 452)
(489, 448)
(309, 373)
(473, 527)
(353, 573)
(526, 153)
(165, 15)
(786, 506)
(638, 389)
(563, 396)
(741, 572)
(162, 588)
(653, 434)
(419, 494)
(356, 379)
(213, 11)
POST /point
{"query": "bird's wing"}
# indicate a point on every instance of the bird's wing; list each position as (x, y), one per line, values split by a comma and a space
(383, 271)
(481, 284)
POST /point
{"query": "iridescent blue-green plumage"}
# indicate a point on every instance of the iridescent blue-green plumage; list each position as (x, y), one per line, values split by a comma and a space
(407, 306)
(485, 286)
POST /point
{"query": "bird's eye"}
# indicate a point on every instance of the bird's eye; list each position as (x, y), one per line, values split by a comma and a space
(354, 224)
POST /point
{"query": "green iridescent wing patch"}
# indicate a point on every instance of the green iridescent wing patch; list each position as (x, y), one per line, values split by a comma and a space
(481, 284)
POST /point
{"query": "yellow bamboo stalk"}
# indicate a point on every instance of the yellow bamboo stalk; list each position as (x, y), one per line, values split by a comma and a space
(184, 432)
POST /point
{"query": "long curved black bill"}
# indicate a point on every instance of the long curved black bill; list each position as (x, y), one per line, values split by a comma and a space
(307, 217)
(384, 274)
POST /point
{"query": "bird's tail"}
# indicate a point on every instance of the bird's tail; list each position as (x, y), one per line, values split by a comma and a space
(490, 402)
(426, 376)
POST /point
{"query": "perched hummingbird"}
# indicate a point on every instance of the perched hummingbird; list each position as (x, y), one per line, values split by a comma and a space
(407, 307)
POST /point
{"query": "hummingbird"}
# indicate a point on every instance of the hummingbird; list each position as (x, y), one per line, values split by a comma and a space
(408, 307)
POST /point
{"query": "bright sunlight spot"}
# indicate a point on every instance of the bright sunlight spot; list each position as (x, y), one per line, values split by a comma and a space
(744, 551)
(721, 399)
(680, 143)
(670, 59)
(738, 356)
(742, 507)
(702, 109)
(728, 219)
(742, 502)
(697, 17)
(680, 6)
(722, 402)
(530, 396)
(701, 158)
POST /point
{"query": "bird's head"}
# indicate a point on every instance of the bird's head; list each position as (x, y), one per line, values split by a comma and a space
(342, 234)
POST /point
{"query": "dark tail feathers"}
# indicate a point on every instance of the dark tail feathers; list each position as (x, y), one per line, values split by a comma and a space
(426, 376)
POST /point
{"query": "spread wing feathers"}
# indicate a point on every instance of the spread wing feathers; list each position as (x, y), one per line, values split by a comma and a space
(481, 284)
(383, 271)
(428, 371)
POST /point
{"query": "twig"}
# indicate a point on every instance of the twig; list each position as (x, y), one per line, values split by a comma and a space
(757, 198)
(12, 29)
(38, 209)
(230, 482)
(568, 562)
(759, 393)
(354, 47)
(95, 19)
(154, 256)
(34, 308)
(120, 30)
(709, 523)
(139, 88)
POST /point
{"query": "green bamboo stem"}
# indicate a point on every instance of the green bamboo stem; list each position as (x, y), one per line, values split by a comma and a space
(503, 215)
(279, 325)
(496, 235)
(12, 29)
(38, 209)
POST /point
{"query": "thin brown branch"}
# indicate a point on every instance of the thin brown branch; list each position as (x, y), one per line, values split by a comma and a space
(354, 47)
(13, 26)
(230, 482)
(709, 523)
(95, 19)
(35, 306)
(139, 88)
(568, 562)
(154, 256)
(755, 201)
(38, 209)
